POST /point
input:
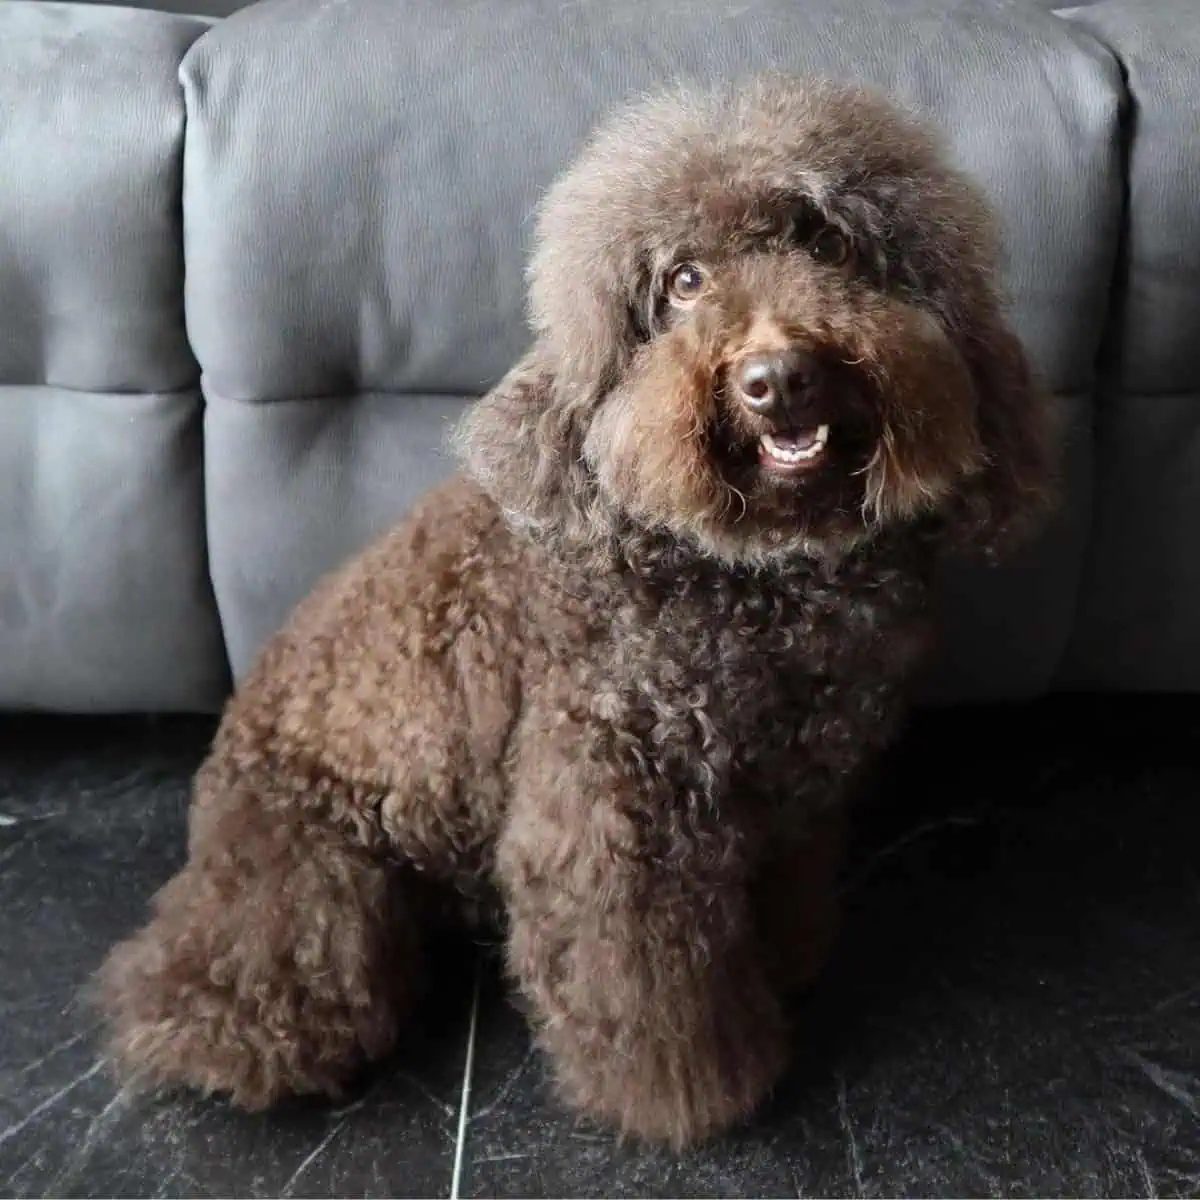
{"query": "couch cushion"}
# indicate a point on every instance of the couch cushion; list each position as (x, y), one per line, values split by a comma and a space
(91, 274)
(1137, 624)
(1158, 46)
(373, 236)
(293, 486)
(360, 181)
(105, 601)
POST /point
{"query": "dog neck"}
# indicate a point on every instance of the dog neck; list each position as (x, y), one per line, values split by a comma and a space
(651, 567)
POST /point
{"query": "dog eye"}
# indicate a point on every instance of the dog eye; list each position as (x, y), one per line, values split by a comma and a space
(831, 246)
(685, 283)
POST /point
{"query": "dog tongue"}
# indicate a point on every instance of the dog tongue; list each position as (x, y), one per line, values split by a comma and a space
(796, 439)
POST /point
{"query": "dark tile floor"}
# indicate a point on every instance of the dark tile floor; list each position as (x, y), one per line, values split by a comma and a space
(1015, 1008)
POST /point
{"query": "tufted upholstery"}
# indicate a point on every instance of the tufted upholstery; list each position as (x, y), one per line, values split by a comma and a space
(1138, 624)
(338, 197)
(105, 600)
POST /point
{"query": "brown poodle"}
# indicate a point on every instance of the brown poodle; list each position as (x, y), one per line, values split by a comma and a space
(615, 682)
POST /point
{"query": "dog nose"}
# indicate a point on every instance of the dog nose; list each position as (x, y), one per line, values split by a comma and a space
(778, 383)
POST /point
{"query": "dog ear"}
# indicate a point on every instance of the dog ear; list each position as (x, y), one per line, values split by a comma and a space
(1002, 506)
(591, 316)
(590, 281)
(522, 443)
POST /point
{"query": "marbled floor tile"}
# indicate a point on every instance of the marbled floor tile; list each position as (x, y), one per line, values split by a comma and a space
(91, 822)
(1014, 1008)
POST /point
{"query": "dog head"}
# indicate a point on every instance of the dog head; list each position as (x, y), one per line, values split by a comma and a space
(766, 324)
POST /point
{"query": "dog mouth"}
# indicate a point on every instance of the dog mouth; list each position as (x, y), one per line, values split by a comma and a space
(792, 451)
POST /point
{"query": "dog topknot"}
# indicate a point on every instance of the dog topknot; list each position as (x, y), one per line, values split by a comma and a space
(615, 685)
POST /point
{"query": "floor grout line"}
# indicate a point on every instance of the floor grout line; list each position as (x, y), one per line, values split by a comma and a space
(464, 1104)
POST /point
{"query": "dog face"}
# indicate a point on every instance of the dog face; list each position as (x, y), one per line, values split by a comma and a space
(766, 324)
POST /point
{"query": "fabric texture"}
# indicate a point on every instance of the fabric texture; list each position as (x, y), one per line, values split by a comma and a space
(105, 600)
(303, 213)
(371, 241)
(1137, 624)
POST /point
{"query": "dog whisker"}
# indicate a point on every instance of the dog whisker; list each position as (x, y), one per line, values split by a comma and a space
(732, 492)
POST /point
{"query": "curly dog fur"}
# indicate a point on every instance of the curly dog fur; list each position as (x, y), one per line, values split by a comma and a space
(616, 681)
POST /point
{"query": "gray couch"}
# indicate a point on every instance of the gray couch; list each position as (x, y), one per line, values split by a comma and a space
(252, 267)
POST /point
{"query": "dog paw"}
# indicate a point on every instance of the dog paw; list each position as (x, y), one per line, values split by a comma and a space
(177, 1019)
(676, 1091)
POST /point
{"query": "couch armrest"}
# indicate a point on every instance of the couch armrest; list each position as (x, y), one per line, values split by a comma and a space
(1137, 623)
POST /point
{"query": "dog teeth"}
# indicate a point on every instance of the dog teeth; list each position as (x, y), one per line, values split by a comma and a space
(797, 454)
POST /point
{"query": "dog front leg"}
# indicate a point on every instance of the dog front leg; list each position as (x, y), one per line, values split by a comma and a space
(631, 936)
(278, 961)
